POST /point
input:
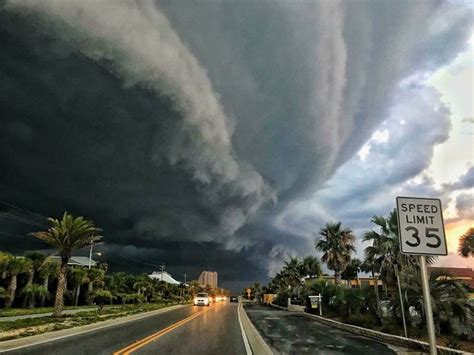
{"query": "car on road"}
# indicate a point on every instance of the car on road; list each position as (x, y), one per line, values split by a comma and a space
(202, 299)
(233, 299)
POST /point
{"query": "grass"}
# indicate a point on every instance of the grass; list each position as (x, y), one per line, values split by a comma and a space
(33, 326)
(26, 311)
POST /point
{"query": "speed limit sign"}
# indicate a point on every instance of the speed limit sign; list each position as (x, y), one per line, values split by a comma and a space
(421, 227)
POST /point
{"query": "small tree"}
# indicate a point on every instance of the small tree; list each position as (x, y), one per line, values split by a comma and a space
(65, 235)
(78, 278)
(101, 297)
(16, 265)
(37, 260)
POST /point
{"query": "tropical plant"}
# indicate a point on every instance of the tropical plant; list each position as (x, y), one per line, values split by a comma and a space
(78, 277)
(65, 235)
(94, 276)
(466, 243)
(34, 291)
(16, 265)
(310, 267)
(449, 297)
(352, 270)
(291, 272)
(371, 265)
(384, 252)
(48, 270)
(256, 290)
(336, 244)
(37, 259)
(101, 297)
(4, 260)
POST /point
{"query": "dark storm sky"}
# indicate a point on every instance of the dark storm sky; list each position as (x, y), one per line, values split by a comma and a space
(183, 128)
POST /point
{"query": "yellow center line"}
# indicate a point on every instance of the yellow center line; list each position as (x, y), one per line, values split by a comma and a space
(142, 342)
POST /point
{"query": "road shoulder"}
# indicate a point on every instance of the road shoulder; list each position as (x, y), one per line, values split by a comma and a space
(256, 341)
(65, 333)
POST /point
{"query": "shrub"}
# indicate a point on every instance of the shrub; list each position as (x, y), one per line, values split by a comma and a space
(102, 297)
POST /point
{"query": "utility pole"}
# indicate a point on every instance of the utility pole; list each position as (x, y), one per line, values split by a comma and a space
(90, 255)
(185, 278)
(162, 270)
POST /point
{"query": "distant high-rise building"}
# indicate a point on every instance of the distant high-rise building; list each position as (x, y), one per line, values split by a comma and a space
(208, 278)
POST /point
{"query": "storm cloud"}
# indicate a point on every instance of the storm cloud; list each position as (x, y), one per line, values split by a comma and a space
(183, 128)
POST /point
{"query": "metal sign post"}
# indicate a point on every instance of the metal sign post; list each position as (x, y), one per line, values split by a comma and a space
(316, 302)
(397, 274)
(428, 310)
(421, 232)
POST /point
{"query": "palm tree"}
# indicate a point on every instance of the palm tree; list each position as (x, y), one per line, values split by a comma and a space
(310, 267)
(370, 265)
(449, 297)
(37, 260)
(49, 269)
(4, 260)
(94, 276)
(34, 291)
(78, 278)
(65, 235)
(336, 244)
(291, 272)
(17, 265)
(352, 271)
(257, 289)
(466, 243)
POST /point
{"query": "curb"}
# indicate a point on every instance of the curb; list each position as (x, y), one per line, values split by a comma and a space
(383, 337)
(257, 343)
(17, 344)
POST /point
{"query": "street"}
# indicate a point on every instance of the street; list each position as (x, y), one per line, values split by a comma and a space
(289, 333)
(187, 330)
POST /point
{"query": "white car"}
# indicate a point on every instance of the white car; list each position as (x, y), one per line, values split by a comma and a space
(202, 299)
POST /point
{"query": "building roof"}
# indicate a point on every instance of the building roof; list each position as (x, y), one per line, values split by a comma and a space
(77, 260)
(163, 276)
(463, 274)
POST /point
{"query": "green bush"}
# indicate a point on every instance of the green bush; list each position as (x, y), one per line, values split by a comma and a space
(101, 297)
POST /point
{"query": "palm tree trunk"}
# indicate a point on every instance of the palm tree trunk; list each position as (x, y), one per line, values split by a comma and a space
(11, 291)
(30, 298)
(45, 284)
(59, 299)
(78, 291)
(337, 277)
(90, 288)
(376, 286)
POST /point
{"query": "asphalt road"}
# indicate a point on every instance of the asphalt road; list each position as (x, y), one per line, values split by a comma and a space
(187, 330)
(290, 333)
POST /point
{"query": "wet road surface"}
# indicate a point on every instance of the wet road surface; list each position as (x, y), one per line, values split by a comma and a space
(290, 333)
(187, 330)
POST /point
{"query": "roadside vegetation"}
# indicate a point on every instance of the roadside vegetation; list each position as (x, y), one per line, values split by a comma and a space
(375, 306)
(36, 283)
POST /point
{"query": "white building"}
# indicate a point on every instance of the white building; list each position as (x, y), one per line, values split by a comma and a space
(163, 276)
(208, 278)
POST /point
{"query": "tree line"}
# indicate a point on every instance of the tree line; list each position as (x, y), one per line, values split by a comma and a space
(45, 281)
(365, 306)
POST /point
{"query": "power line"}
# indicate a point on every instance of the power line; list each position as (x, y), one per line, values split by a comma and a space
(130, 257)
(22, 220)
(22, 209)
(18, 236)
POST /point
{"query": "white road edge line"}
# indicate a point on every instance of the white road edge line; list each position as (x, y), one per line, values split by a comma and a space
(244, 336)
(164, 310)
